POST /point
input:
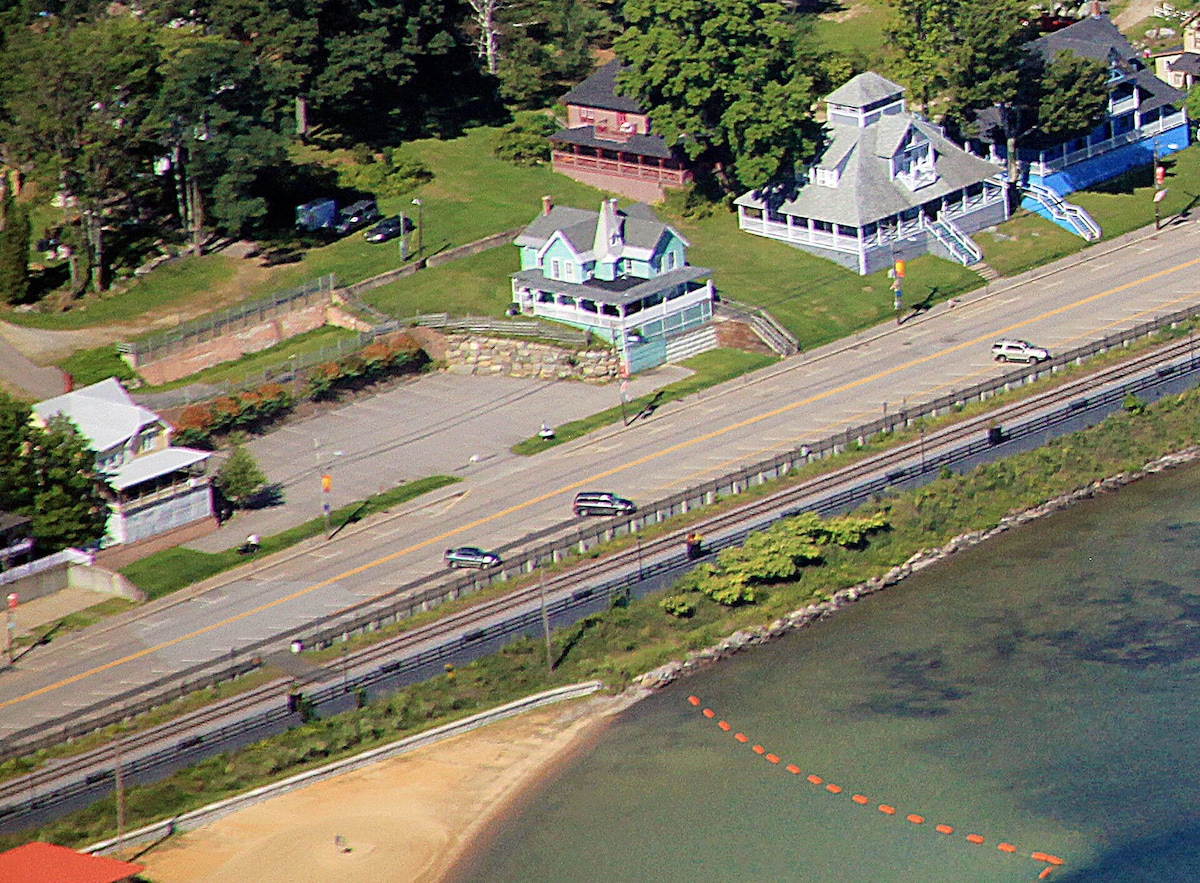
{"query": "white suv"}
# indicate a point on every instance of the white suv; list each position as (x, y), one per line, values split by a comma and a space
(1018, 351)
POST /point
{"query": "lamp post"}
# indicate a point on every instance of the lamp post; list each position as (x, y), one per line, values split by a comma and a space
(420, 227)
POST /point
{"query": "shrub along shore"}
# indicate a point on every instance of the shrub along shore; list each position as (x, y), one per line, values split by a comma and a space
(647, 643)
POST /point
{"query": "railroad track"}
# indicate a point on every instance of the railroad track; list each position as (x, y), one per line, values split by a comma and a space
(269, 703)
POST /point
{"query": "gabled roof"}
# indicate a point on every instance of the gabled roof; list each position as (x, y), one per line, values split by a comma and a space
(47, 863)
(1093, 37)
(641, 229)
(103, 412)
(866, 192)
(864, 90)
(599, 90)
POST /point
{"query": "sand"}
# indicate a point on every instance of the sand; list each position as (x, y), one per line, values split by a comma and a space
(404, 820)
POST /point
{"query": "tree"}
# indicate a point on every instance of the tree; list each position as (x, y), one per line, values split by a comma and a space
(220, 126)
(239, 477)
(15, 231)
(1073, 96)
(986, 67)
(922, 37)
(50, 476)
(75, 98)
(729, 81)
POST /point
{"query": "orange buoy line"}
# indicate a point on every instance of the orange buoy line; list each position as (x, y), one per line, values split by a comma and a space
(1051, 861)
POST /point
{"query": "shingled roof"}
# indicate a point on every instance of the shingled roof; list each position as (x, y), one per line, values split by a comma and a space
(599, 90)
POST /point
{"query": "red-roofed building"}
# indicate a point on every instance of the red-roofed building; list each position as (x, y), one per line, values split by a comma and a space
(47, 863)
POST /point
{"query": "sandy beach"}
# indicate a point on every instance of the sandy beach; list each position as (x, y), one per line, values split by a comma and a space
(404, 820)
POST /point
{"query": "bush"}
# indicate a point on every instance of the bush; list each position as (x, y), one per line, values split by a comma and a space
(678, 606)
(524, 142)
(394, 175)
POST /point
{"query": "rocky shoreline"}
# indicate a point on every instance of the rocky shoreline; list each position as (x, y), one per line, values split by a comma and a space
(743, 639)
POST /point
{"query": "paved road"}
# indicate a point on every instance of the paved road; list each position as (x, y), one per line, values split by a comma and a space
(504, 498)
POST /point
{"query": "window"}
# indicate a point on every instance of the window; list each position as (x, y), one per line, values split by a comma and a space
(609, 310)
(545, 297)
(588, 306)
(587, 114)
(147, 441)
(825, 177)
(555, 269)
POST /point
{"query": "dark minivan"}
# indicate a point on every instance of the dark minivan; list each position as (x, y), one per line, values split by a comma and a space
(602, 503)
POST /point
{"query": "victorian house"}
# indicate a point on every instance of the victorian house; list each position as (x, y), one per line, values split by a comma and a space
(886, 184)
(1144, 119)
(621, 274)
(608, 144)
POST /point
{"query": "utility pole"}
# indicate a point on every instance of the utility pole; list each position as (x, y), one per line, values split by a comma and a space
(546, 623)
(119, 778)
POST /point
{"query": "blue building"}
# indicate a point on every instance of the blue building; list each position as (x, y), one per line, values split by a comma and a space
(1145, 120)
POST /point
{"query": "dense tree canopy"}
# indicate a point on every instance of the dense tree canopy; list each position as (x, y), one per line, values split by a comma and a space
(49, 475)
(729, 81)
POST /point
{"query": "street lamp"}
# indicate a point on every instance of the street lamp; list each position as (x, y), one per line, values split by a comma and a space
(420, 226)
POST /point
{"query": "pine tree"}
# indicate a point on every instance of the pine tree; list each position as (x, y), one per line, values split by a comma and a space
(14, 247)
(240, 477)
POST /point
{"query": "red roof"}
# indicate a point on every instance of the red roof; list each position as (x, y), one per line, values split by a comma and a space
(47, 863)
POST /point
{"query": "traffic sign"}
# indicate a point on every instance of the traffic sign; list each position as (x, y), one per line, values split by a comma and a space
(12, 600)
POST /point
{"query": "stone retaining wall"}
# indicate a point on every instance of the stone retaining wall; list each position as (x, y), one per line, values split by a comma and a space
(475, 354)
(797, 619)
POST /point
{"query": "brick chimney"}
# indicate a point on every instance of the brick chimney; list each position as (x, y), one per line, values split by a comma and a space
(547, 205)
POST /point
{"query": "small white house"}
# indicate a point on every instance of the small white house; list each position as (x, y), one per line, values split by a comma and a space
(155, 487)
(621, 274)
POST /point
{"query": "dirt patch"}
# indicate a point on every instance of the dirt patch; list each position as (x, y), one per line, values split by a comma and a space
(45, 346)
(853, 10)
(739, 335)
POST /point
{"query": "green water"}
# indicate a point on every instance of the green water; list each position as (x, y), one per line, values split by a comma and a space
(1042, 690)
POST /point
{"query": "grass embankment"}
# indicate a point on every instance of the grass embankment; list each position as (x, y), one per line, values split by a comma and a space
(172, 569)
(627, 640)
(711, 368)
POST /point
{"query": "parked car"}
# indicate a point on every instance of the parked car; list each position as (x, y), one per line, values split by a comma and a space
(356, 216)
(388, 228)
(320, 214)
(1018, 351)
(471, 556)
(602, 503)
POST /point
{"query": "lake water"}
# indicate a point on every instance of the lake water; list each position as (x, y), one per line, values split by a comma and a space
(1042, 690)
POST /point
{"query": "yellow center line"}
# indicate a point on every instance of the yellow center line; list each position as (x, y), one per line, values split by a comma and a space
(700, 439)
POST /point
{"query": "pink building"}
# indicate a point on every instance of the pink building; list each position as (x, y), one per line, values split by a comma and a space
(608, 143)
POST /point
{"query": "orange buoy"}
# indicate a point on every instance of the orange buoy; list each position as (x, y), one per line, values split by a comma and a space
(758, 749)
(724, 725)
(834, 789)
(793, 769)
(916, 819)
(974, 838)
(695, 700)
(772, 758)
(1054, 860)
(1006, 847)
(944, 829)
(1045, 872)
(741, 737)
(887, 810)
(709, 713)
(859, 799)
(1039, 856)
(816, 780)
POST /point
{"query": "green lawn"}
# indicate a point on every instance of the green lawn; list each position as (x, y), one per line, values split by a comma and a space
(1025, 241)
(177, 283)
(857, 30)
(472, 195)
(471, 286)
(817, 300)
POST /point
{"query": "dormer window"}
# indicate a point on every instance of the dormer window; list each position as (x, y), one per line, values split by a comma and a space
(914, 166)
(825, 177)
